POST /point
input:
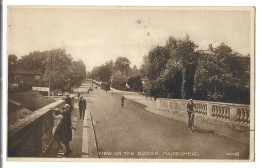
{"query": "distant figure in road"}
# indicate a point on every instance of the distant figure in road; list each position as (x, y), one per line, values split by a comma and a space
(64, 133)
(122, 101)
(82, 107)
(190, 109)
(78, 95)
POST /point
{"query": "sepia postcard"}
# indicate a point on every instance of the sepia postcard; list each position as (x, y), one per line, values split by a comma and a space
(130, 83)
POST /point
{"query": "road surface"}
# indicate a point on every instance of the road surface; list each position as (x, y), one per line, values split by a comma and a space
(133, 132)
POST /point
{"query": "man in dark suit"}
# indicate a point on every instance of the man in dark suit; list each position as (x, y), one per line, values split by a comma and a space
(82, 107)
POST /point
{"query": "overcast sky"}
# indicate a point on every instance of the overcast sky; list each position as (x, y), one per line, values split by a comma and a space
(99, 35)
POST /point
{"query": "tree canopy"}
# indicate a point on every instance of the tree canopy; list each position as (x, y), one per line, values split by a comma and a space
(59, 71)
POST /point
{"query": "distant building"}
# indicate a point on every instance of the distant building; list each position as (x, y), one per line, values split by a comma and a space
(25, 77)
(239, 66)
(23, 104)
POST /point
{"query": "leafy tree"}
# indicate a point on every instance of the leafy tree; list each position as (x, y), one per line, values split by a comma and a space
(185, 52)
(135, 83)
(154, 64)
(57, 69)
(77, 73)
(105, 72)
(122, 64)
(12, 61)
(163, 66)
(222, 50)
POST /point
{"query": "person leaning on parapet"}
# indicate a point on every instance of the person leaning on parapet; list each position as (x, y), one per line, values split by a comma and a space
(68, 101)
(190, 109)
(64, 133)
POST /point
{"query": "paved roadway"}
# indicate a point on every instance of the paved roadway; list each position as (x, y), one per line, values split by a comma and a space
(133, 132)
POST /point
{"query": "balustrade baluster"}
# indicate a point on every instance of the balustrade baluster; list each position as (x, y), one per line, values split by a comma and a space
(228, 113)
(205, 109)
(221, 112)
(248, 119)
(242, 116)
(246, 116)
(238, 115)
(224, 113)
(213, 111)
(218, 111)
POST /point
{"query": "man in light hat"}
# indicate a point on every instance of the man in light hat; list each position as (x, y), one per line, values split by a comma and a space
(190, 109)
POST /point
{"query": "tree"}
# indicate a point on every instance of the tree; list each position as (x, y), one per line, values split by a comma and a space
(12, 61)
(122, 64)
(154, 64)
(57, 69)
(185, 52)
(77, 73)
(214, 77)
(105, 71)
(222, 50)
(135, 83)
(163, 66)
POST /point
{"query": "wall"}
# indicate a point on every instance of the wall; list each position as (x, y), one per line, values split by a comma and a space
(33, 135)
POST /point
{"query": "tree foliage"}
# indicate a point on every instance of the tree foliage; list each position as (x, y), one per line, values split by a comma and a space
(59, 71)
(179, 70)
(117, 74)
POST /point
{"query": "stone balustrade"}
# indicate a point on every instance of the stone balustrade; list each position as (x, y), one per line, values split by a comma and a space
(32, 136)
(229, 112)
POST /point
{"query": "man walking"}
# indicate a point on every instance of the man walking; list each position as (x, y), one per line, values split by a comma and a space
(82, 107)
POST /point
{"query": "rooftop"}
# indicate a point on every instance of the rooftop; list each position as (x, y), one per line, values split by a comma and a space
(31, 100)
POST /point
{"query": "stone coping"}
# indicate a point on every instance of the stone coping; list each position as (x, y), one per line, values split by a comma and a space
(12, 129)
(208, 102)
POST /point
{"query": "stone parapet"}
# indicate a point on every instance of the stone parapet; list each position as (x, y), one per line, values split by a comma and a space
(228, 114)
(32, 136)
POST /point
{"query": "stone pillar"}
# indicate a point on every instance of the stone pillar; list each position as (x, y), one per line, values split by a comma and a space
(209, 110)
(233, 114)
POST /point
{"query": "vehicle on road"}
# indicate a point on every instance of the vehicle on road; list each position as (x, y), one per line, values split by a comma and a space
(105, 86)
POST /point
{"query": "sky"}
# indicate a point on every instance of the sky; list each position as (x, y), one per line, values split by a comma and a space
(97, 35)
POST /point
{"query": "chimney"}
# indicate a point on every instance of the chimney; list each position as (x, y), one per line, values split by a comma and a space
(210, 47)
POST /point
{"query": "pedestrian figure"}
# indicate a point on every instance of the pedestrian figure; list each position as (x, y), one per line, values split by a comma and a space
(82, 107)
(78, 95)
(190, 109)
(68, 101)
(64, 132)
(122, 101)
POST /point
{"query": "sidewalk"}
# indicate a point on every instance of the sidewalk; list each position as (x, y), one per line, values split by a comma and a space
(83, 142)
(200, 122)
